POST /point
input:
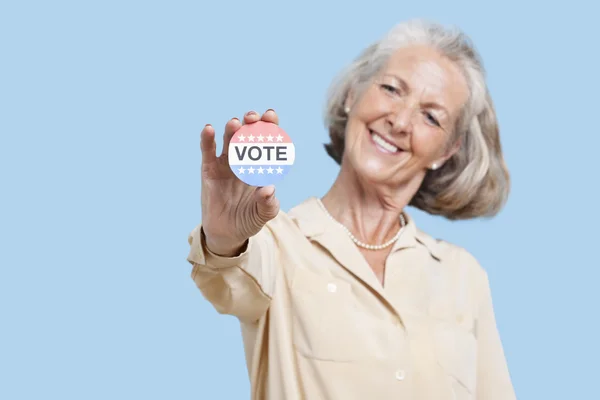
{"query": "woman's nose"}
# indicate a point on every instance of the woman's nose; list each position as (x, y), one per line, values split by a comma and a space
(402, 117)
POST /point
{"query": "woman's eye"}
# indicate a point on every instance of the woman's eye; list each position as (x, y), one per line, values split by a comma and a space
(431, 119)
(389, 89)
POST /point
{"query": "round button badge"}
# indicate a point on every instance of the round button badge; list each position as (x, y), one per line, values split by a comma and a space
(261, 153)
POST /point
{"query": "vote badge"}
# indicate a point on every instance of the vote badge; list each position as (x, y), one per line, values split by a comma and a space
(261, 153)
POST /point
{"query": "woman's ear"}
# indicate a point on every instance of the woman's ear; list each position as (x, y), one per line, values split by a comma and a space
(452, 150)
(349, 102)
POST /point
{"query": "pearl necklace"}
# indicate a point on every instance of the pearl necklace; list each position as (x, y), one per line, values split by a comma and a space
(365, 245)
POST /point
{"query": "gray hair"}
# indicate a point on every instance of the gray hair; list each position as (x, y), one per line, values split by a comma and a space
(474, 182)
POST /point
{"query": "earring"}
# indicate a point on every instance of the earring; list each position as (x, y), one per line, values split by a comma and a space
(434, 166)
(347, 110)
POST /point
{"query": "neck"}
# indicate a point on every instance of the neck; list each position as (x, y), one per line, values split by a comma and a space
(371, 212)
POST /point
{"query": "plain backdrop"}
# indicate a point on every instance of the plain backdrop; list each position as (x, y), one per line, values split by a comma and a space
(101, 108)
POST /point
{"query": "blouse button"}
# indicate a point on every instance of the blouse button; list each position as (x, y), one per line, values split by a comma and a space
(331, 287)
(400, 375)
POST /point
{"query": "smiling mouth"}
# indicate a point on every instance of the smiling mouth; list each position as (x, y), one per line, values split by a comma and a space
(383, 145)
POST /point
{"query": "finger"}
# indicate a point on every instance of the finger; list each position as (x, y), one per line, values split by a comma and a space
(230, 128)
(207, 144)
(265, 193)
(250, 117)
(270, 116)
(267, 203)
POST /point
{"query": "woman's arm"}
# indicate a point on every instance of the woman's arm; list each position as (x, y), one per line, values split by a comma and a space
(240, 285)
(493, 377)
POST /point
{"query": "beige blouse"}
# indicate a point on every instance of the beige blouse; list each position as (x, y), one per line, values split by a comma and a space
(317, 324)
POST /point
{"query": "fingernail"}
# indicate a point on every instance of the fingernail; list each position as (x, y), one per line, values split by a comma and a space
(236, 118)
(251, 113)
(270, 109)
(207, 125)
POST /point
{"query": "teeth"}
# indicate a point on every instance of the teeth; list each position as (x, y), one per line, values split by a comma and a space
(381, 142)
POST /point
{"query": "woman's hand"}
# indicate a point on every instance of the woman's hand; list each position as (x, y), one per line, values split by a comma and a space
(232, 211)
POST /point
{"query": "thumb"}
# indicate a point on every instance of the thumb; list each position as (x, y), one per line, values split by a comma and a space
(267, 203)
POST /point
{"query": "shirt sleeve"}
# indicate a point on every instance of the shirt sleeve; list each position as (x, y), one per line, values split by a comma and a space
(241, 286)
(493, 377)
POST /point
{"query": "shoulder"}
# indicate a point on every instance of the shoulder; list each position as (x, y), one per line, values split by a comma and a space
(285, 226)
(452, 256)
(303, 219)
(460, 267)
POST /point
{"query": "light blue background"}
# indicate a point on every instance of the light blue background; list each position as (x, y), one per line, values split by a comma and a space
(101, 107)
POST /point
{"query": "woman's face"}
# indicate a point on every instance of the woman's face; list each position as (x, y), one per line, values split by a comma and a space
(402, 124)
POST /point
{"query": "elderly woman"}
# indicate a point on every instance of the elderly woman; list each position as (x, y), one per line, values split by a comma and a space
(343, 297)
